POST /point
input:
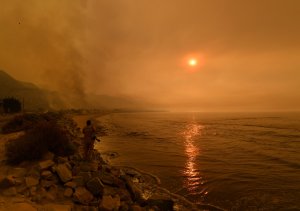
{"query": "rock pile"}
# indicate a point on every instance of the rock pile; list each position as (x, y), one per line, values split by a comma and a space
(84, 185)
(72, 183)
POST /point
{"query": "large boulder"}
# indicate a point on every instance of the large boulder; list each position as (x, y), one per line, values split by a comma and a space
(64, 172)
(95, 186)
(83, 196)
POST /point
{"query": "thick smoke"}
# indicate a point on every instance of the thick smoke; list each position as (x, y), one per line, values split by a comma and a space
(134, 48)
(41, 42)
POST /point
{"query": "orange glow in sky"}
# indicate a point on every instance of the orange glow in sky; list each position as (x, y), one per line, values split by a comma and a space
(193, 62)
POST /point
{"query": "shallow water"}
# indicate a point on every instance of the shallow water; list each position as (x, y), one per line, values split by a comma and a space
(236, 161)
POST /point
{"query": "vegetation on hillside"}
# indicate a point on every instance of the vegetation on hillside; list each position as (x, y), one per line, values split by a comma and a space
(11, 105)
(44, 132)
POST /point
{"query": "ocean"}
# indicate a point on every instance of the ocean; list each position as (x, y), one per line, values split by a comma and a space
(237, 161)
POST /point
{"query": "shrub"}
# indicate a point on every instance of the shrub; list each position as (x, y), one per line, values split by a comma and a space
(11, 105)
(43, 137)
(28, 120)
(21, 122)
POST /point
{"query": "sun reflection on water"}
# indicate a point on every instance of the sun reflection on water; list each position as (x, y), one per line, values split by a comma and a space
(193, 178)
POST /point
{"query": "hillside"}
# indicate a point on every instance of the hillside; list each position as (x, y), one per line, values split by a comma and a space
(34, 98)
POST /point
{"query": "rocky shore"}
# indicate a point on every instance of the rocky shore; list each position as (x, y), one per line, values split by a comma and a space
(72, 183)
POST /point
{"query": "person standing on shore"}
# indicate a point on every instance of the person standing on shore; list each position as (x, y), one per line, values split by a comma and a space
(89, 139)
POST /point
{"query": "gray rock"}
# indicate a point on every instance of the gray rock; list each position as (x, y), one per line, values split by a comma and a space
(95, 186)
(46, 164)
(64, 172)
(83, 196)
(110, 203)
(31, 181)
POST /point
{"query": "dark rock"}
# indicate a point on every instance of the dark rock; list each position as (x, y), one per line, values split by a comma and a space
(95, 186)
(136, 193)
(6, 182)
(61, 160)
(109, 179)
(85, 175)
(90, 166)
(124, 206)
(47, 183)
(78, 180)
(162, 204)
(48, 156)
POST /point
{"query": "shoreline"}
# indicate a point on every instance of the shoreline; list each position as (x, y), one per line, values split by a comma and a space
(184, 201)
(71, 183)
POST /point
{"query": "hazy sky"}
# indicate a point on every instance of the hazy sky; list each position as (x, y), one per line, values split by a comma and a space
(249, 50)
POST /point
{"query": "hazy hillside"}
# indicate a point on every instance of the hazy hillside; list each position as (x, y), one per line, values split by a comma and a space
(34, 98)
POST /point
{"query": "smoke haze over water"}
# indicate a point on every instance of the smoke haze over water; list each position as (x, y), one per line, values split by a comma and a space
(136, 49)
